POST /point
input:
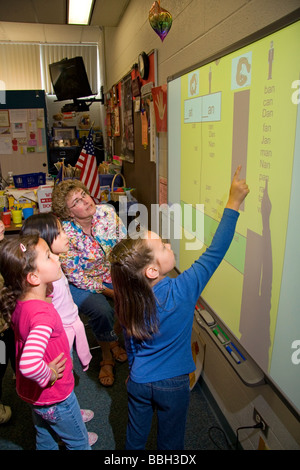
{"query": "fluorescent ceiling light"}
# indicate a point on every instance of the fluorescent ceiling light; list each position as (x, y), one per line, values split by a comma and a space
(79, 11)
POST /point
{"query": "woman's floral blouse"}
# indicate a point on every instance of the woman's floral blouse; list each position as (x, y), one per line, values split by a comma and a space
(86, 265)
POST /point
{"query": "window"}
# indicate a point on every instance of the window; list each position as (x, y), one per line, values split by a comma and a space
(26, 66)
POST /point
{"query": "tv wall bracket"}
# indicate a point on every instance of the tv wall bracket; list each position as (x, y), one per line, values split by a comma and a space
(79, 105)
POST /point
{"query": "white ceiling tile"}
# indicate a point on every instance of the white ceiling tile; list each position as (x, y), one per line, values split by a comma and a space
(105, 13)
(23, 32)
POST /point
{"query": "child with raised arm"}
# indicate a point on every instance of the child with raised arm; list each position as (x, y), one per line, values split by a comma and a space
(156, 313)
(44, 376)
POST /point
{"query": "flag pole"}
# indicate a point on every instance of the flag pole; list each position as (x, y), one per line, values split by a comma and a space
(92, 125)
(63, 169)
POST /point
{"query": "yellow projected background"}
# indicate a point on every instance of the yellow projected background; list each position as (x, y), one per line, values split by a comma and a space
(239, 110)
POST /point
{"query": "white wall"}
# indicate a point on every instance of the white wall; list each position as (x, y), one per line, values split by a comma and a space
(200, 29)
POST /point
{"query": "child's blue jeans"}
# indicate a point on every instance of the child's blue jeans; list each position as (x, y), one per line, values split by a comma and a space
(170, 398)
(60, 421)
(99, 311)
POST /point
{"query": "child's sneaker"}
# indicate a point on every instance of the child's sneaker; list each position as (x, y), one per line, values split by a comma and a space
(93, 438)
(5, 413)
(87, 415)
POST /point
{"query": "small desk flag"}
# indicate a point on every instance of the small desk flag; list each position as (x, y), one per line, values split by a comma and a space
(87, 163)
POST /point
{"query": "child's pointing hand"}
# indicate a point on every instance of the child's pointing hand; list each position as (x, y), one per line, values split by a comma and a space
(238, 191)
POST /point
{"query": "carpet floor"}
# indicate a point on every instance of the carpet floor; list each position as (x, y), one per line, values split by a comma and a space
(204, 429)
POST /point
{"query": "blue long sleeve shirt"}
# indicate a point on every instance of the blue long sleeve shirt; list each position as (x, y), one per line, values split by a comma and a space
(168, 353)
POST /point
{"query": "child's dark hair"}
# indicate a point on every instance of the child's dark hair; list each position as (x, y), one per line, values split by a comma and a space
(17, 259)
(45, 224)
(134, 299)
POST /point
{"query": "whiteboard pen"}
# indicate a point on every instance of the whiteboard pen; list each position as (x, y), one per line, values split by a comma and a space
(233, 355)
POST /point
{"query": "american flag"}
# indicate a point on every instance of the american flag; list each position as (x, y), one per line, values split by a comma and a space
(87, 163)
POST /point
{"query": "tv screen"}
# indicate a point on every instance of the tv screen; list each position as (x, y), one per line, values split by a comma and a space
(69, 79)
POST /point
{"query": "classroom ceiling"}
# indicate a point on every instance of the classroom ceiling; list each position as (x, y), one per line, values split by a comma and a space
(105, 13)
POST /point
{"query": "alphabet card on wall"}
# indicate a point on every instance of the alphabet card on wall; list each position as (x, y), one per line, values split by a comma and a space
(159, 95)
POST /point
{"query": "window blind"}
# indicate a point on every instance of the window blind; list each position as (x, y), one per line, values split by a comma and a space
(20, 67)
(26, 66)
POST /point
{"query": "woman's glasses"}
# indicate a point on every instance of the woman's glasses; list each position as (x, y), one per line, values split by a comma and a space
(78, 200)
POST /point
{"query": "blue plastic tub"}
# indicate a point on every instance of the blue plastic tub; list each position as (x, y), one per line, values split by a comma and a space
(29, 180)
(106, 180)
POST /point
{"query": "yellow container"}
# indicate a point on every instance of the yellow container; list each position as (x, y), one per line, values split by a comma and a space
(16, 216)
(20, 203)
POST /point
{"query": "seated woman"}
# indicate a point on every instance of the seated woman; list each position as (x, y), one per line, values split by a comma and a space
(92, 230)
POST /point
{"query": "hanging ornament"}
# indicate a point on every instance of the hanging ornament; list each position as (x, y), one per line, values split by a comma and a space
(160, 20)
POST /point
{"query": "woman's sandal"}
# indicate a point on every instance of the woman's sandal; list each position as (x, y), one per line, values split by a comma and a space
(106, 375)
(119, 354)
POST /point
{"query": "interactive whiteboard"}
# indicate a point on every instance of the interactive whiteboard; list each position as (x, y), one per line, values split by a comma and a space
(242, 107)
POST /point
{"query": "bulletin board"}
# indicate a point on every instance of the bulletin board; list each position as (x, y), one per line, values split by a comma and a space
(140, 171)
(23, 132)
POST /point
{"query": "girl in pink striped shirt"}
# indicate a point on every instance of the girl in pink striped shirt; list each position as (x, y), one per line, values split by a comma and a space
(43, 362)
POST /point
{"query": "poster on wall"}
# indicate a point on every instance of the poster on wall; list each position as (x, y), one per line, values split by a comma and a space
(127, 147)
(4, 118)
(22, 131)
(117, 120)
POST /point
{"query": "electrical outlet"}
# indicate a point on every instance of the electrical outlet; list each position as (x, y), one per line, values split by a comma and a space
(259, 419)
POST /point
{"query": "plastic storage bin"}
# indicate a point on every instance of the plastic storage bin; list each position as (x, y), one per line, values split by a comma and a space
(106, 180)
(30, 180)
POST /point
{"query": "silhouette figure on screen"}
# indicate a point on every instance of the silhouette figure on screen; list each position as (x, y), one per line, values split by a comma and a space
(257, 289)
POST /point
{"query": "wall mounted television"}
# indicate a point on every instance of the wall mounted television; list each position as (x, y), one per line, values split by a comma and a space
(69, 79)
